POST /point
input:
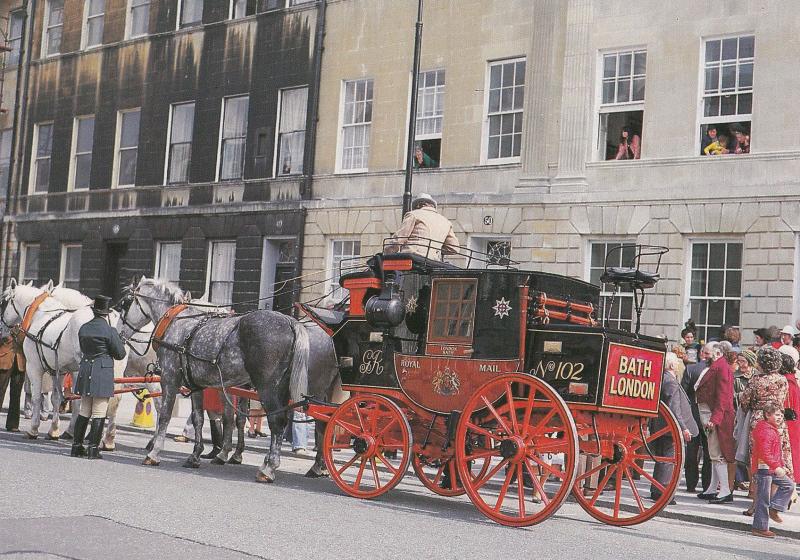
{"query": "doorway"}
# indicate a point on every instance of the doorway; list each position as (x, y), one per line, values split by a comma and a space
(112, 276)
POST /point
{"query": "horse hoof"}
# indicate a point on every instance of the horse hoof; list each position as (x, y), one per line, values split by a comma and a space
(314, 474)
(66, 435)
(50, 437)
(150, 462)
(217, 461)
(261, 477)
(104, 447)
(190, 464)
(31, 436)
(235, 461)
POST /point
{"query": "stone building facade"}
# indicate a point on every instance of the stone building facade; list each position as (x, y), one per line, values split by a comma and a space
(150, 137)
(670, 72)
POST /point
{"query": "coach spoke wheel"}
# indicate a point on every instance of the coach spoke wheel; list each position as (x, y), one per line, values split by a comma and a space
(367, 446)
(627, 493)
(530, 447)
(441, 475)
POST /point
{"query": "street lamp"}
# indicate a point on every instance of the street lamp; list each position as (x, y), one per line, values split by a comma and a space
(412, 117)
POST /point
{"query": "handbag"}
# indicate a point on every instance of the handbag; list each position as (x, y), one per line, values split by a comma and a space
(741, 433)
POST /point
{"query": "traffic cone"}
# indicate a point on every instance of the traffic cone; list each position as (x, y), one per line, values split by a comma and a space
(143, 416)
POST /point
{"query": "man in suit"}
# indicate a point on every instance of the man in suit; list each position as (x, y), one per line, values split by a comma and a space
(694, 447)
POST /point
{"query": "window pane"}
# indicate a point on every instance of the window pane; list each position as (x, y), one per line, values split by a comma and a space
(232, 159)
(711, 108)
(96, 7)
(83, 170)
(42, 175)
(698, 283)
(733, 284)
(609, 89)
(169, 262)
(712, 51)
(699, 255)
(127, 166)
(182, 122)
(728, 77)
(129, 135)
(732, 308)
(712, 79)
(85, 135)
(140, 20)
(746, 75)
(640, 63)
(235, 117)
(623, 91)
(291, 149)
(638, 89)
(734, 255)
(180, 156)
(716, 283)
(609, 65)
(717, 255)
(294, 103)
(94, 31)
(625, 64)
(728, 105)
(729, 47)
(747, 47)
(745, 104)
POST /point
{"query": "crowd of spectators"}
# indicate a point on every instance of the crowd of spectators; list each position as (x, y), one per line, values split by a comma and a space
(746, 403)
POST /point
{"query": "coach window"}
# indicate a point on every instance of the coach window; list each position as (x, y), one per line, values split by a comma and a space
(453, 316)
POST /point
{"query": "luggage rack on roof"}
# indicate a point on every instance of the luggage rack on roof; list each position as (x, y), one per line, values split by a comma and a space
(428, 248)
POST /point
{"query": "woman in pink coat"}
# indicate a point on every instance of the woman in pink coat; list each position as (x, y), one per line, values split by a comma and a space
(714, 394)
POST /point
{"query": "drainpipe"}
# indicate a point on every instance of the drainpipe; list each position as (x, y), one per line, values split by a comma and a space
(310, 148)
(20, 106)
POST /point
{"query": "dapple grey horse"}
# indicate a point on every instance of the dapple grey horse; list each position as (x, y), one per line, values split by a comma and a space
(264, 348)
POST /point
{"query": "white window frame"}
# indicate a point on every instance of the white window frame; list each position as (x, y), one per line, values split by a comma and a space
(587, 274)
(23, 261)
(118, 140)
(701, 81)
(129, 19)
(687, 299)
(62, 265)
(604, 109)
(210, 264)
(46, 30)
(220, 138)
(179, 26)
(169, 142)
(341, 126)
(485, 160)
(157, 265)
(85, 27)
(276, 144)
(15, 40)
(34, 158)
(333, 288)
(73, 167)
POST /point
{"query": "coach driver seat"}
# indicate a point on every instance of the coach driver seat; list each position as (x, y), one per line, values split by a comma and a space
(635, 278)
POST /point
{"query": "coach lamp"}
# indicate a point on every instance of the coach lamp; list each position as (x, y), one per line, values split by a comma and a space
(386, 310)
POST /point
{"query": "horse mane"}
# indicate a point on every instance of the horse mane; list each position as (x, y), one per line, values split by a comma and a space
(169, 291)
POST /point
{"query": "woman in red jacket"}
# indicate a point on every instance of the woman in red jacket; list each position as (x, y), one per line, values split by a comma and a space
(714, 394)
(792, 406)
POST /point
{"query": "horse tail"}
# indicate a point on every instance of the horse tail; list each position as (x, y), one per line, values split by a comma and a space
(298, 380)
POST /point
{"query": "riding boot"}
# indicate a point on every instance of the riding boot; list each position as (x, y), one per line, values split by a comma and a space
(78, 450)
(93, 449)
(216, 441)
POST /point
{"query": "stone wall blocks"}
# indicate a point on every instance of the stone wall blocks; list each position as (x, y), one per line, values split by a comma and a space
(788, 239)
(659, 212)
(609, 220)
(498, 219)
(713, 217)
(728, 215)
(634, 223)
(790, 213)
(779, 289)
(746, 217)
(595, 214)
(532, 213)
(679, 216)
(579, 218)
(769, 208)
(513, 219)
(697, 218)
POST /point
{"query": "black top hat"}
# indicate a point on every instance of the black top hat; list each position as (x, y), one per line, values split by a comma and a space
(102, 305)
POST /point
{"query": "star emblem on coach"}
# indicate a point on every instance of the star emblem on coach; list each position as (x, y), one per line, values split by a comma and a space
(502, 308)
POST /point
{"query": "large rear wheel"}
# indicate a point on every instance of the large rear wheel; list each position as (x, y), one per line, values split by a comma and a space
(635, 453)
(524, 430)
(367, 446)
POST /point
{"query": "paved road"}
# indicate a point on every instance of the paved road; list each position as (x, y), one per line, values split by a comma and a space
(54, 506)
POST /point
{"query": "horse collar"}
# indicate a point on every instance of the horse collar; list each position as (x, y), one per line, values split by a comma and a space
(30, 311)
(165, 322)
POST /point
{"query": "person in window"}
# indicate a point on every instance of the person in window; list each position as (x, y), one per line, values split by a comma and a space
(425, 232)
(423, 160)
(630, 144)
(742, 140)
(708, 139)
(100, 345)
(718, 148)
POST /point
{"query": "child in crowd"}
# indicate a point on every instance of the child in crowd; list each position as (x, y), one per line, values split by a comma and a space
(719, 147)
(767, 464)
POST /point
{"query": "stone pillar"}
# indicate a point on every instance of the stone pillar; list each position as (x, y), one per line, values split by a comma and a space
(576, 100)
(540, 108)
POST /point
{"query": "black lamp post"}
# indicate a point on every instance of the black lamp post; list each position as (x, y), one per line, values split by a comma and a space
(412, 117)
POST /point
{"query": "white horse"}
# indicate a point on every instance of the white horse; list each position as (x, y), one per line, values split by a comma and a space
(51, 344)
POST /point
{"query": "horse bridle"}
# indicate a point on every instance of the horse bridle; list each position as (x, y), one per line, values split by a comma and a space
(4, 301)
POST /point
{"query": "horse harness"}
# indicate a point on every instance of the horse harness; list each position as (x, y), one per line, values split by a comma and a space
(184, 350)
(24, 331)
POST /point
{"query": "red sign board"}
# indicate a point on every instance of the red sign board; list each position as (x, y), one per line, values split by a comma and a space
(633, 378)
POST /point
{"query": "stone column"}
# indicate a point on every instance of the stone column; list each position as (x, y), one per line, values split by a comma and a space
(540, 108)
(576, 100)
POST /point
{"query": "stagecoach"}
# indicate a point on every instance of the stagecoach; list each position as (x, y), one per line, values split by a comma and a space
(504, 384)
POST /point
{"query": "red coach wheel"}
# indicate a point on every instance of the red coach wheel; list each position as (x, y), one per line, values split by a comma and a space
(620, 499)
(374, 426)
(441, 476)
(523, 430)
